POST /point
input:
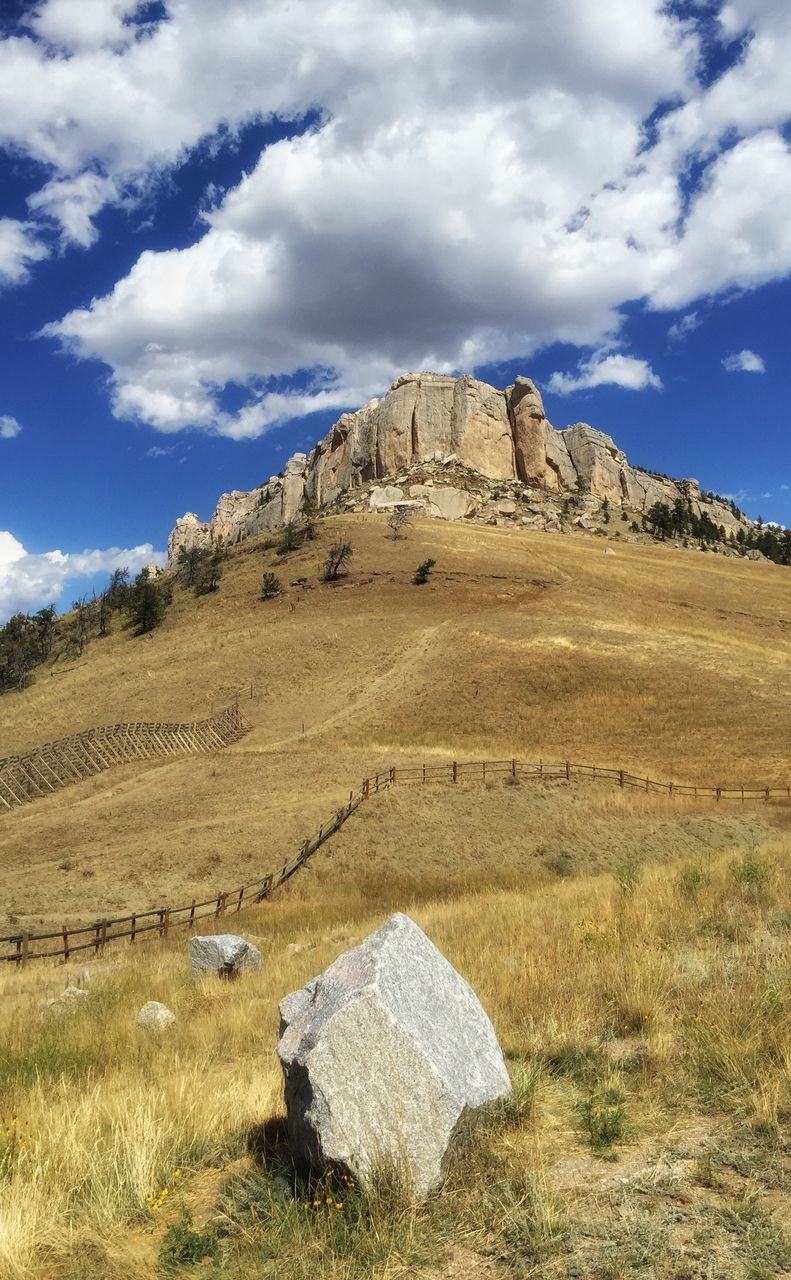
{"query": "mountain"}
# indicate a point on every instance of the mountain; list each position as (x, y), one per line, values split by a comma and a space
(456, 448)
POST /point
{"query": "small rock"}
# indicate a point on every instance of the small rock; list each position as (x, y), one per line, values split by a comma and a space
(608, 551)
(385, 1055)
(67, 999)
(155, 1016)
(225, 954)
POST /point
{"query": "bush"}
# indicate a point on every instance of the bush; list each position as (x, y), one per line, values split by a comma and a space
(337, 563)
(182, 1246)
(603, 1117)
(422, 572)
(290, 539)
(628, 875)
(691, 879)
(750, 874)
(271, 586)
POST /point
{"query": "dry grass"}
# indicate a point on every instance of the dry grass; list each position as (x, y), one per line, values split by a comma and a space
(633, 955)
(522, 644)
(670, 1004)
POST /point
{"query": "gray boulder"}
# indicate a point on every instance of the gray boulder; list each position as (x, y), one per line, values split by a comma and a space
(155, 1016)
(224, 954)
(385, 1055)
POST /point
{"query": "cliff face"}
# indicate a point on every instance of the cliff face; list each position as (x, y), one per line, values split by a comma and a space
(474, 433)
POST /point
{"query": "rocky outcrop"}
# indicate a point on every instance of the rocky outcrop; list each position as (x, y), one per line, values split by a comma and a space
(434, 420)
(385, 1055)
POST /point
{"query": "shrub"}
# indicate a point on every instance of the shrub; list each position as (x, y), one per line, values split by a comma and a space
(290, 539)
(603, 1116)
(337, 563)
(422, 572)
(271, 586)
(691, 879)
(183, 1246)
(628, 875)
(750, 874)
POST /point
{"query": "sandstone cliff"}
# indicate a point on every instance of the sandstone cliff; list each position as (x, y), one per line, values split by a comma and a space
(494, 449)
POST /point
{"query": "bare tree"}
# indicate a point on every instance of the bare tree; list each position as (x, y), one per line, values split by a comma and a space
(398, 521)
(337, 563)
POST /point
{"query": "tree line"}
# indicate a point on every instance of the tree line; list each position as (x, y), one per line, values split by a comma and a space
(680, 521)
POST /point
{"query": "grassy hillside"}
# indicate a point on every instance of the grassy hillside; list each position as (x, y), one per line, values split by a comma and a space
(666, 661)
(632, 951)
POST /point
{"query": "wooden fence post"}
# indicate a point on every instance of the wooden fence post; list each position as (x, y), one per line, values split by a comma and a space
(23, 947)
(455, 770)
(718, 793)
(620, 777)
(568, 771)
(192, 912)
(66, 951)
(513, 768)
(134, 929)
(392, 774)
(241, 895)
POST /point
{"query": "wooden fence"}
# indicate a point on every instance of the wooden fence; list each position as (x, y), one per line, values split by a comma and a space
(158, 922)
(57, 764)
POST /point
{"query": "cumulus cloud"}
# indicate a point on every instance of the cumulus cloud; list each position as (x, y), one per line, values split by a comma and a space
(9, 427)
(463, 196)
(605, 369)
(20, 247)
(29, 582)
(744, 362)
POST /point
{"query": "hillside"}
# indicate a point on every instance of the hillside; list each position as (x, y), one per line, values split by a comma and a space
(663, 661)
(643, 1010)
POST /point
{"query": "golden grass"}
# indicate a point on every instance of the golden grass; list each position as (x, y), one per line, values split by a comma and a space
(678, 1000)
(667, 662)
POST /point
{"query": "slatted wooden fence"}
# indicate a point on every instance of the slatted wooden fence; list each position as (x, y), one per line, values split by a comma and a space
(157, 923)
(46, 769)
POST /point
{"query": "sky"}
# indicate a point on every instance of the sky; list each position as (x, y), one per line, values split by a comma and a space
(222, 225)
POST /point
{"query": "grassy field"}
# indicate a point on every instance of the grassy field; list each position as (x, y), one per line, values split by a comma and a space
(647, 1025)
(632, 952)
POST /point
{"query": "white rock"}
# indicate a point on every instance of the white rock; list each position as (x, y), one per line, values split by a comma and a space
(225, 954)
(384, 1056)
(155, 1016)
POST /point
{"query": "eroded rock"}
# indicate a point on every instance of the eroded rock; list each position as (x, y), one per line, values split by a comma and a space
(385, 1055)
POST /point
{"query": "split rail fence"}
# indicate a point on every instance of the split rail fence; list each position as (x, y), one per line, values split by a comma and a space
(158, 922)
(57, 764)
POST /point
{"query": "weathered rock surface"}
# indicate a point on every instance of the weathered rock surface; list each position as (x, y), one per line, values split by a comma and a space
(155, 1016)
(225, 954)
(430, 418)
(384, 1056)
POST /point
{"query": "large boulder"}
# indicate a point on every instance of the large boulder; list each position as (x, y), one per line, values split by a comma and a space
(385, 1055)
(443, 501)
(225, 954)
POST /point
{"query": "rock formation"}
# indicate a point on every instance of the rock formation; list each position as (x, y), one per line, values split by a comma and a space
(155, 1016)
(472, 432)
(384, 1056)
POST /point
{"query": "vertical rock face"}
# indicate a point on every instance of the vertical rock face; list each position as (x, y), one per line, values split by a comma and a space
(426, 417)
(384, 1055)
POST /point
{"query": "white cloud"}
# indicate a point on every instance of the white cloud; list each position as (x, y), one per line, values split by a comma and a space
(607, 370)
(20, 247)
(744, 362)
(9, 427)
(478, 184)
(684, 327)
(29, 582)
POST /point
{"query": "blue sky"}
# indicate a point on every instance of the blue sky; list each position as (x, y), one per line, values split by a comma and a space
(220, 226)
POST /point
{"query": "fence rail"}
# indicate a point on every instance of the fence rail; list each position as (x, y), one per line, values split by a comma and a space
(158, 922)
(24, 778)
